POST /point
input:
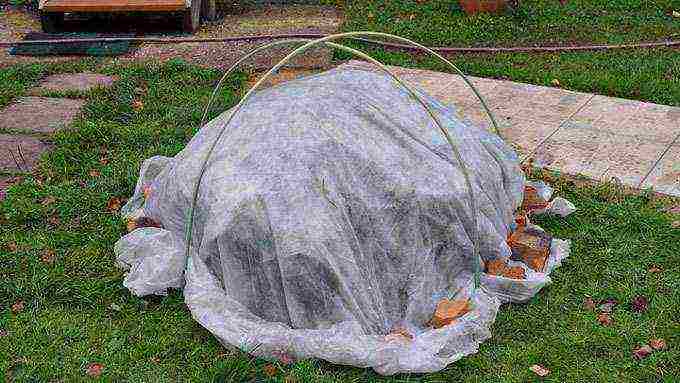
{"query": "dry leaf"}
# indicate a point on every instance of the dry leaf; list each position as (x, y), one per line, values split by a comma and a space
(94, 369)
(657, 344)
(104, 161)
(146, 190)
(589, 304)
(675, 224)
(655, 269)
(12, 247)
(269, 369)
(642, 352)
(17, 307)
(539, 370)
(639, 304)
(54, 220)
(94, 173)
(604, 319)
(155, 360)
(555, 82)
(131, 225)
(48, 256)
(137, 105)
(113, 205)
(48, 200)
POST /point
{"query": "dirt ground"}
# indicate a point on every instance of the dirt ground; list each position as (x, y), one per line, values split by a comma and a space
(15, 23)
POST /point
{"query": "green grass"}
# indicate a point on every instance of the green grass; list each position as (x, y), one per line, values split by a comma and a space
(650, 75)
(77, 311)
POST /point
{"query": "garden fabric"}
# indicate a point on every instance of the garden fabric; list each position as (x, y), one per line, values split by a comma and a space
(331, 211)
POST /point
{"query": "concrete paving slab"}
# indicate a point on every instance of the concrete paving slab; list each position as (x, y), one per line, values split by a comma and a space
(40, 114)
(20, 153)
(81, 82)
(665, 176)
(652, 122)
(577, 133)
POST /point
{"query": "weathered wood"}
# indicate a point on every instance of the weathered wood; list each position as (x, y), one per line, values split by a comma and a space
(192, 17)
(209, 10)
(114, 5)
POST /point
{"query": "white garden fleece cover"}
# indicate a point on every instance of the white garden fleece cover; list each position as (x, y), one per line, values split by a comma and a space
(331, 211)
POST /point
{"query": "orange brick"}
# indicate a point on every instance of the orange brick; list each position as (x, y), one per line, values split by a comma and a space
(531, 246)
(399, 332)
(532, 200)
(514, 272)
(496, 266)
(448, 311)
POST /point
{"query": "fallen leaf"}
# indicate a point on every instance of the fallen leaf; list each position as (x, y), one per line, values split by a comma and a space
(555, 82)
(642, 352)
(155, 360)
(639, 304)
(146, 190)
(113, 205)
(48, 256)
(137, 105)
(94, 173)
(589, 304)
(269, 370)
(94, 369)
(657, 344)
(12, 247)
(539, 370)
(53, 220)
(47, 201)
(675, 224)
(655, 269)
(17, 307)
(104, 161)
(131, 225)
(604, 319)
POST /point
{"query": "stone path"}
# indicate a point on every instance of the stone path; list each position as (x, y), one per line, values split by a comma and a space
(26, 124)
(602, 138)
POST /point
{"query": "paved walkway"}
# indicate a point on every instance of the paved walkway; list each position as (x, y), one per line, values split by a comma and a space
(27, 124)
(602, 138)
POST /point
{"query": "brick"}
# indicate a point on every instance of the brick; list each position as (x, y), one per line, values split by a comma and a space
(448, 311)
(40, 114)
(530, 246)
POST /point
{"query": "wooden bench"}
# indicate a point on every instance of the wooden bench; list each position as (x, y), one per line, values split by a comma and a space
(52, 11)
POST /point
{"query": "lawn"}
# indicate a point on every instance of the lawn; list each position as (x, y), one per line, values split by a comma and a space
(649, 75)
(58, 233)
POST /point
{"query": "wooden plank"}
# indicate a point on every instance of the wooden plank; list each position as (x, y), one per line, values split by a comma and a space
(114, 5)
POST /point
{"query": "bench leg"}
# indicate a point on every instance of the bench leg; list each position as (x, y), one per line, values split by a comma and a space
(192, 17)
(51, 21)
